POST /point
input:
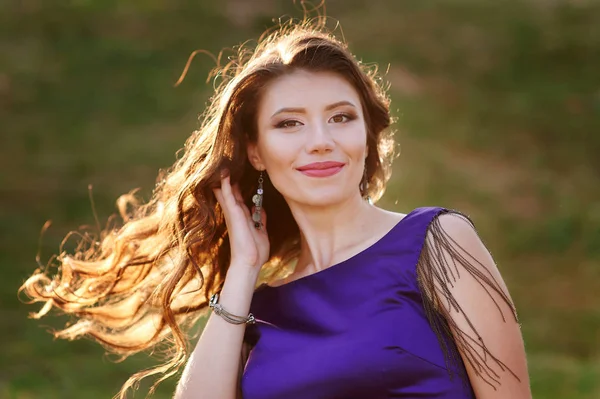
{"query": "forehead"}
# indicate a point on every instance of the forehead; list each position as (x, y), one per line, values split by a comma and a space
(311, 90)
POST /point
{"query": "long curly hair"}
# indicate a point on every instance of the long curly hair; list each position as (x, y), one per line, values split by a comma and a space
(146, 279)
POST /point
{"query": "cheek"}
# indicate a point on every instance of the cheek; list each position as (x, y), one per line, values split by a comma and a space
(278, 151)
(355, 142)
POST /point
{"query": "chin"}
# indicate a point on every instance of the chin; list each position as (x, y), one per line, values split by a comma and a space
(320, 198)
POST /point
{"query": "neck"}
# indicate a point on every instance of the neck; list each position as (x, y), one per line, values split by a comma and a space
(327, 232)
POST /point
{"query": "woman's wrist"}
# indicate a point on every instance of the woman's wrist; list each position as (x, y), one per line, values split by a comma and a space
(238, 288)
(244, 272)
(228, 316)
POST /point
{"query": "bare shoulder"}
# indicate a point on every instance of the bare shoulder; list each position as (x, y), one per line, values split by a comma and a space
(457, 222)
(460, 229)
(390, 216)
(455, 240)
(464, 284)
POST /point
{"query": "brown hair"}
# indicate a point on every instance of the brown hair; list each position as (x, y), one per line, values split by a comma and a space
(147, 281)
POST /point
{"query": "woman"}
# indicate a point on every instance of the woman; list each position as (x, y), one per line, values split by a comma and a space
(333, 297)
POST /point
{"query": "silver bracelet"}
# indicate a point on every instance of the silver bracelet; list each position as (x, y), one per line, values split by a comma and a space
(231, 318)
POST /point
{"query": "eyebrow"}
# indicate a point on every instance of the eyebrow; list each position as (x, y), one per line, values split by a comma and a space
(303, 110)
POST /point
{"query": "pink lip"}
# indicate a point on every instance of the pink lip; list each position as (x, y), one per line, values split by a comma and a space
(321, 169)
(321, 165)
(321, 172)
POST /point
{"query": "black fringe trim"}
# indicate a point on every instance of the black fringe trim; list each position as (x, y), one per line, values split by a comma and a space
(432, 267)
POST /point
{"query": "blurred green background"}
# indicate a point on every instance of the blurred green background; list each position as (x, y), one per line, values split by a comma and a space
(498, 107)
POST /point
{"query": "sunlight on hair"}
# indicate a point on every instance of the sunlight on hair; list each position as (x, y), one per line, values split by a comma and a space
(146, 278)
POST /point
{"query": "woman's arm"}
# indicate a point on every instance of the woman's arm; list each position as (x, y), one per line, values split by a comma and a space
(474, 300)
(212, 372)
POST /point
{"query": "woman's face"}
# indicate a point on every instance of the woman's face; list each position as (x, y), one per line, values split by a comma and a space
(304, 118)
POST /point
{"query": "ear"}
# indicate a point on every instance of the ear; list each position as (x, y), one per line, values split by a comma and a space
(254, 157)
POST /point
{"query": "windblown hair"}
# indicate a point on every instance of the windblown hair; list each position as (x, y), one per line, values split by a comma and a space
(147, 280)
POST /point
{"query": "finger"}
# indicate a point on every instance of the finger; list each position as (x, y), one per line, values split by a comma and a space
(246, 211)
(239, 200)
(218, 195)
(237, 193)
(226, 192)
(250, 223)
(222, 203)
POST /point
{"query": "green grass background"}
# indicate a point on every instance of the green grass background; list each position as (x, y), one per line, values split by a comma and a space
(498, 107)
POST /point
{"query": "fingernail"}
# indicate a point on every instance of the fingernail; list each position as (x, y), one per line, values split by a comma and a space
(224, 173)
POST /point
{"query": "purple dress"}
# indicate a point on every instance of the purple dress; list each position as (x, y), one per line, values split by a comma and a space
(357, 329)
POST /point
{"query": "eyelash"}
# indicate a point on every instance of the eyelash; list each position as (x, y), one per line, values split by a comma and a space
(349, 117)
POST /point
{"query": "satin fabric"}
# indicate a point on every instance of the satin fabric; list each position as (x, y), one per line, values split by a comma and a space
(354, 330)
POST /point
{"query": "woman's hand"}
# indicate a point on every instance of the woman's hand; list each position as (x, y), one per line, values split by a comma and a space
(249, 246)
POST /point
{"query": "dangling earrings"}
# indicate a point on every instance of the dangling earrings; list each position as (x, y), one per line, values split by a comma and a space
(364, 186)
(257, 200)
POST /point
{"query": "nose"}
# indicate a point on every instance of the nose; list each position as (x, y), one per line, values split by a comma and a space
(319, 138)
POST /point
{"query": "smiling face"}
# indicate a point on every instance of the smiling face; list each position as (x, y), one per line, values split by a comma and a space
(311, 117)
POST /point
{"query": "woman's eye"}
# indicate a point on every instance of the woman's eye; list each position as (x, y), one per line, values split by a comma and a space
(341, 118)
(288, 123)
